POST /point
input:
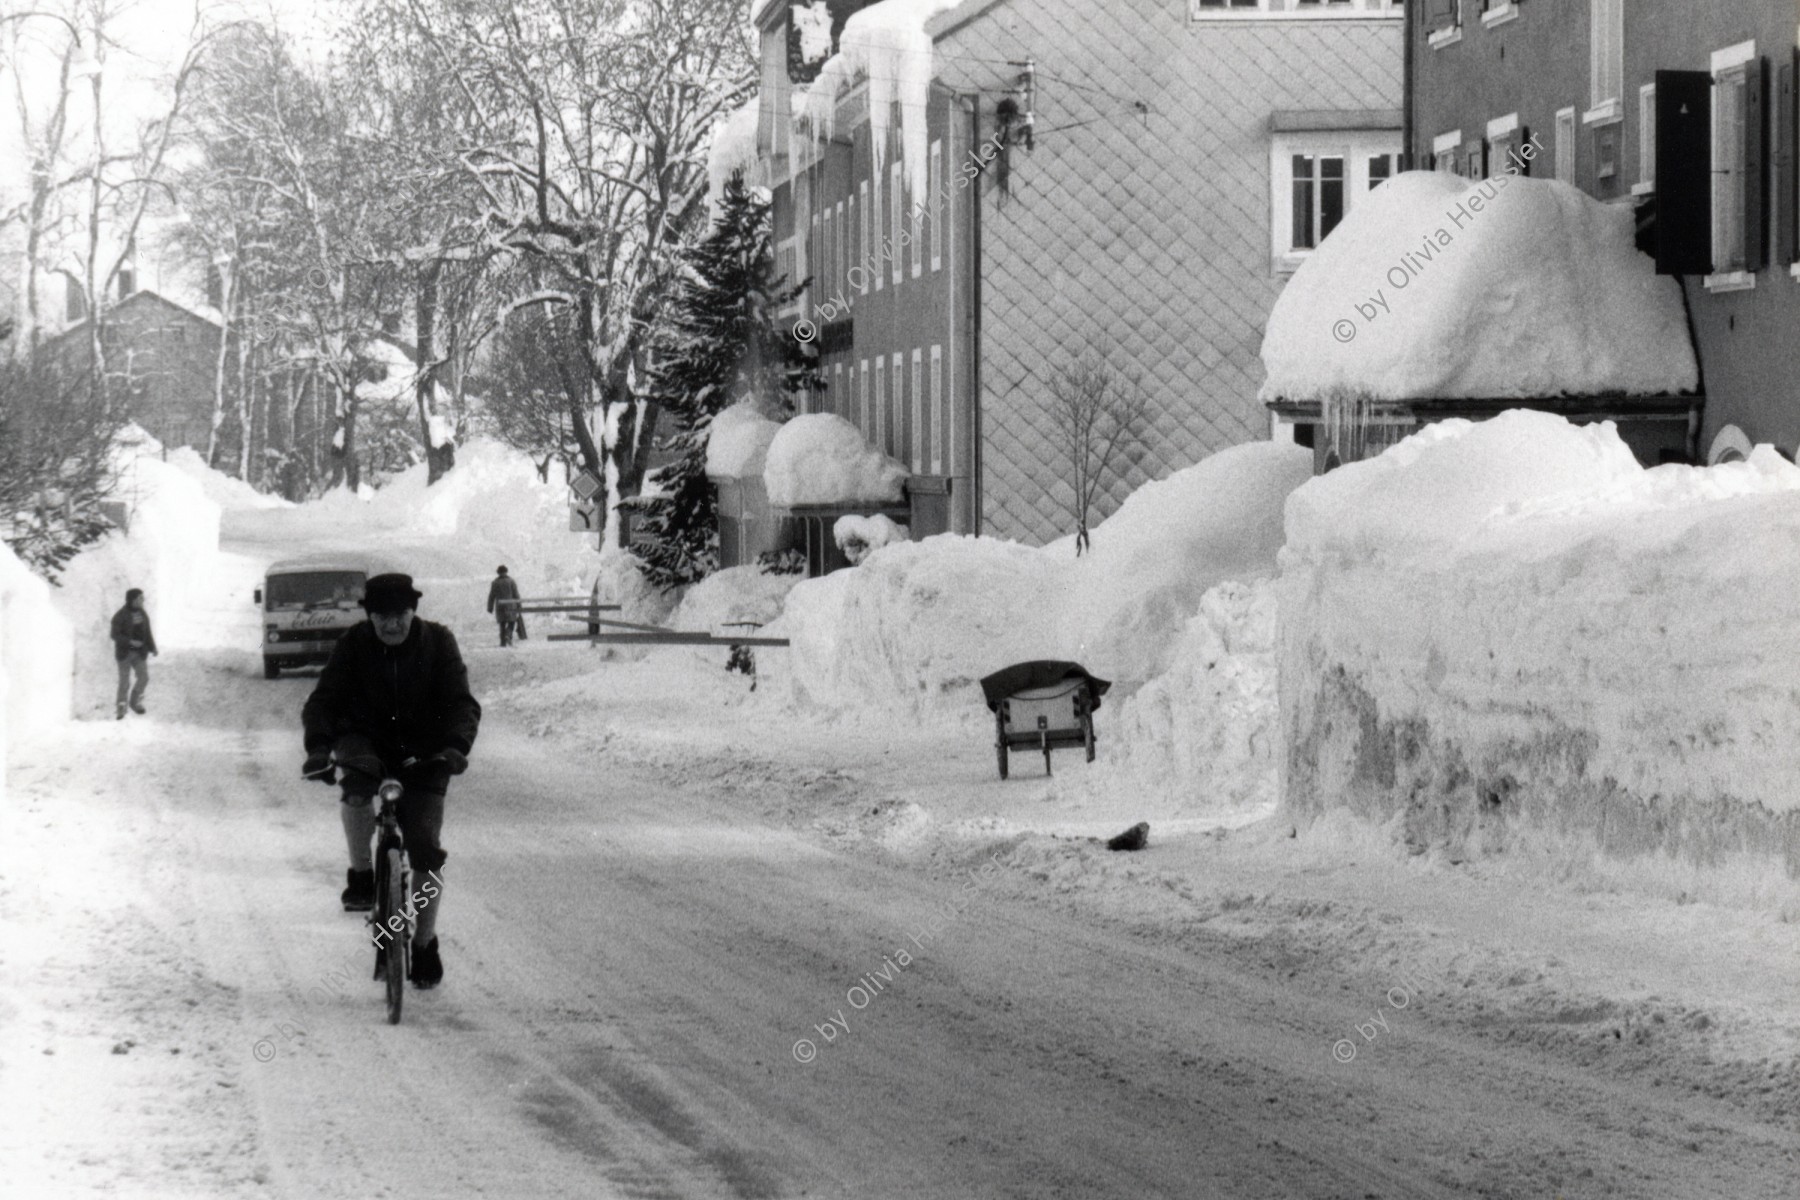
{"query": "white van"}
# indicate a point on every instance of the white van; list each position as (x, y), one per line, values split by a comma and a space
(308, 603)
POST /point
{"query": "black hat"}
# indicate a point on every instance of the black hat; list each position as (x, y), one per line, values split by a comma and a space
(502, 570)
(133, 594)
(390, 593)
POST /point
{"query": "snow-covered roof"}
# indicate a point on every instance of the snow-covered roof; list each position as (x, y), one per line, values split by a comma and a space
(1436, 287)
(821, 458)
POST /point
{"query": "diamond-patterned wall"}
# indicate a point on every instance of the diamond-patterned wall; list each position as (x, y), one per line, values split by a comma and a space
(1150, 228)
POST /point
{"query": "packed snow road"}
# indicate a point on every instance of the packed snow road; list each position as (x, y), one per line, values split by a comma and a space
(680, 963)
(653, 989)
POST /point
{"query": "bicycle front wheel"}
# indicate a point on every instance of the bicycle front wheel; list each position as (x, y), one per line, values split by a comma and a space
(399, 950)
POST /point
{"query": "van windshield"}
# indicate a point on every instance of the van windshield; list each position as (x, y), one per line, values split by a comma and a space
(311, 589)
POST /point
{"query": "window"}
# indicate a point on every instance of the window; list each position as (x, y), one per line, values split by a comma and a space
(1316, 177)
(862, 237)
(862, 397)
(873, 260)
(827, 261)
(1565, 144)
(897, 204)
(1318, 204)
(1606, 59)
(1212, 10)
(1509, 147)
(1443, 151)
(878, 426)
(1646, 139)
(896, 432)
(919, 435)
(839, 403)
(74, 299)
(934, 184)
(917, 209)
(1737, 178)
(1443, 18)
(940, 419)
(1497, 12)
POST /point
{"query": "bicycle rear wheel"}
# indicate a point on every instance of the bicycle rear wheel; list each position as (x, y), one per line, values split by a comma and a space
(399, 950)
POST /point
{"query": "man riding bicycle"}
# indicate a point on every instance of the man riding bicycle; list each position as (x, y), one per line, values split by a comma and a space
(395, 689)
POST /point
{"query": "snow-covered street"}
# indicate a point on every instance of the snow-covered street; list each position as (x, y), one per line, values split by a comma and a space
(663, 897)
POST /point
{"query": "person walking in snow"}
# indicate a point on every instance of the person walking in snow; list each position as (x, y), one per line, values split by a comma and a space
(133, 644)
(503, 602)
(395, 689)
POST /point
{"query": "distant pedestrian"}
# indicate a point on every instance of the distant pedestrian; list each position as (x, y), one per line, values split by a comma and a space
(503, 602)
(133, 644)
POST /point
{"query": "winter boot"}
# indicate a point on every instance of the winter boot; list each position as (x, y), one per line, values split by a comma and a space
(137, 706)
(427, 967)
(359, 896)
(121, 712)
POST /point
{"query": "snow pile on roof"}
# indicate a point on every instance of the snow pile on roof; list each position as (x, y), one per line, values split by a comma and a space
(737, 443)
(718, 603)
(1434, 286)
(733, 149)
(1520, 597)
(821, 458)
(887, 44)
(227, 491)
(859, 537)
(37, 657)
(399, 384)
(1150, 563)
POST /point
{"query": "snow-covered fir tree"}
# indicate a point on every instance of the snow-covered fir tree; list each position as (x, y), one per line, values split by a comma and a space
(720, 345)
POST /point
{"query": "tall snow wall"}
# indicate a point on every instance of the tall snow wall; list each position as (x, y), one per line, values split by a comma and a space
(37, 658)
(1508, 638)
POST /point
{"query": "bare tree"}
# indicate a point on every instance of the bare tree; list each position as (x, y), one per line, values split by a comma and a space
(1098, 410)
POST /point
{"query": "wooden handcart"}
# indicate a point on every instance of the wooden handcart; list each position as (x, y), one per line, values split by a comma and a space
(1042, 705)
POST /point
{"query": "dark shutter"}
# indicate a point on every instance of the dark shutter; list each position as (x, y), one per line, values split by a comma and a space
(1683, 173)
(1785, 183)
(1756, 158)
(1521, 141)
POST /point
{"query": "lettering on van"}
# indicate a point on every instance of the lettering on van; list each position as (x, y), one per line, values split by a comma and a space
(321, 619)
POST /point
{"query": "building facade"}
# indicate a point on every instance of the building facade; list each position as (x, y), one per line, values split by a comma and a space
(161, 356)
(1139, 177)
(1683, 109)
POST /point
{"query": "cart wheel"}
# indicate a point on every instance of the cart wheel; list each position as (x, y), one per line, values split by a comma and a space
(1087, 736)
(1000, 749)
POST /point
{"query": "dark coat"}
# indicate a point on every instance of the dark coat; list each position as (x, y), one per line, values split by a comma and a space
(121, 635)
(504, 592)
(410, 700)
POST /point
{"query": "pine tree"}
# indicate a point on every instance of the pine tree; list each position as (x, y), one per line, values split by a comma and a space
(721, 344)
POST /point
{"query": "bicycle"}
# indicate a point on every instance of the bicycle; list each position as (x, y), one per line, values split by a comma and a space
(393, 886)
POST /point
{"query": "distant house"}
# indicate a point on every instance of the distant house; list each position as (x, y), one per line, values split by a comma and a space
(1145, 173)
(1683, 110)
(160, 355)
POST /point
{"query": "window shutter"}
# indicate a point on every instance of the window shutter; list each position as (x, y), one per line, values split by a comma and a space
(1756, 177)
(1684, 172)
(1520, 141)
(1785, 182)
(1474, 159)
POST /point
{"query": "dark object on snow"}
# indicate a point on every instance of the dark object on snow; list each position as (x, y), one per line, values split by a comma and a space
(1043, 704)
(1135, 838)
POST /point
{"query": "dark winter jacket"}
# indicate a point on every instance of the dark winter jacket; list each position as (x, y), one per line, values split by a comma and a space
(410, 700)
(504, 592)
(123, 633)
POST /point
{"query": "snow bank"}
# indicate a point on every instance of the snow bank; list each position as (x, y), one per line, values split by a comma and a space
(918, 625)
(228, 492)
(735, 594)
(1508, 636)
(915, 626)
(737, 442)
(887, 44)
(37, 657)
(821, 458)
(859, 537)
(1434, 286)
(170, 550)
(1150, 563)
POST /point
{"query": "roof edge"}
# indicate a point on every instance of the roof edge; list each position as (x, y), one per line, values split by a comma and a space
(1319, 120)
